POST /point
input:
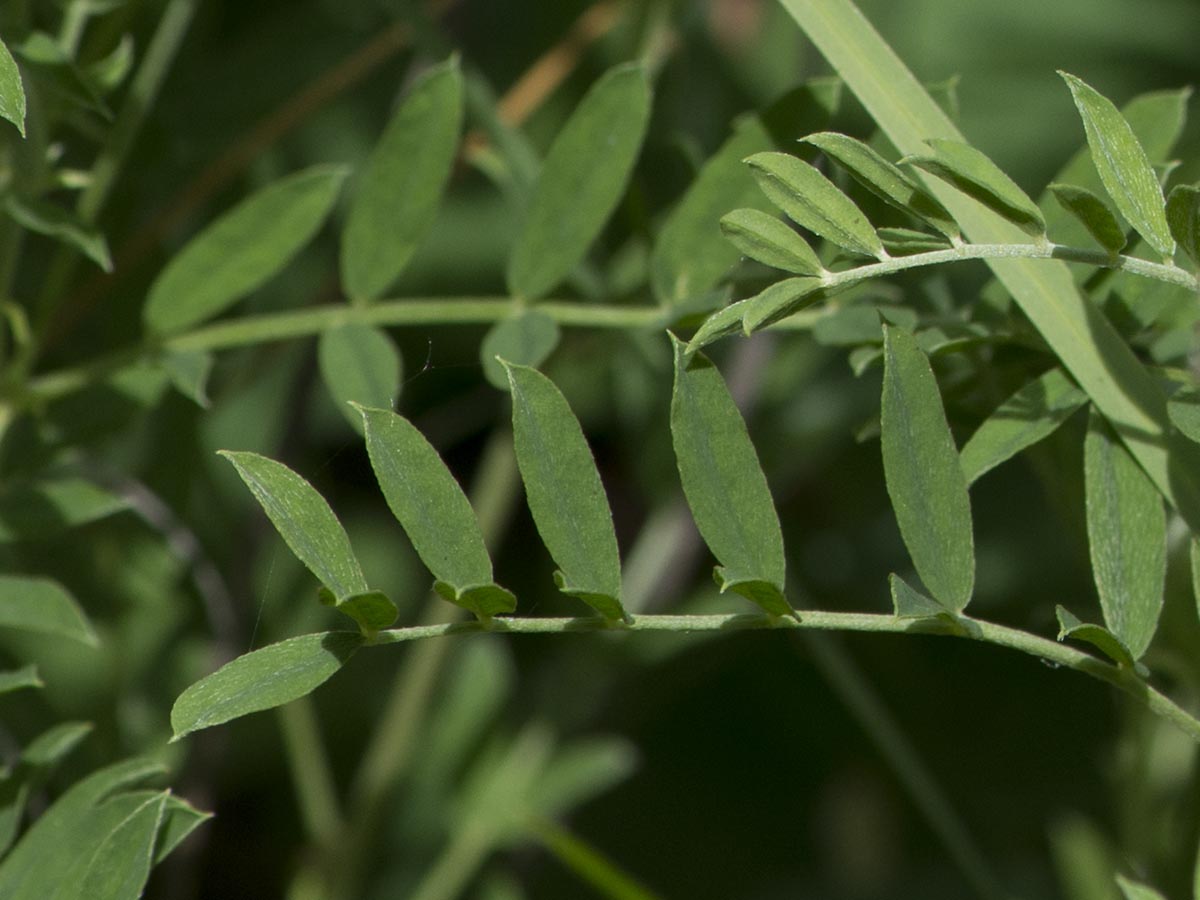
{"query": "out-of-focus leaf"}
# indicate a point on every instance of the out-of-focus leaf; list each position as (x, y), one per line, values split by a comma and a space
(812, 201)
(17, 679)
(1033, 412)
(1135, 890)
(1127, 537)
(766, 239)
(1123, 165)
(589, 864)
(33, 510)
(526, 338)
(1093, 213)
(304, 520)
(1184, 412)
(581, 182)
(725, 485)
(53, 221)
(263, 679)
(242, 250)
(109, 71)
(12, 93)
(189, 371)
(1083, 859)
(923, 475)
(579, 772)
(359, 363)
(434, 512)
(885, 180)
(1183, 218)
(564, 492)
(973, 173)
(44, 606)
(57, 74)
(1070, 626)
(397, 198)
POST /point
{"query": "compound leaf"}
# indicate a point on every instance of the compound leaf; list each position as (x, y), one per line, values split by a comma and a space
(924, 478)
(397, 198)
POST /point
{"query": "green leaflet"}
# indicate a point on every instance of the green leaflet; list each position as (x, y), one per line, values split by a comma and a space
(812, 201)
(1183, 218)
(397, 198)
(1031, 413)
(359, 363)
(33, 510)
(1123, 165)
(180, 819)
(582, 179)
(526, 338)
(564, 492)
(43, 606)
(1134, 890)
(1184, 412)
(434, 512)
(38, 759)
(1194, 559)
(263, 679)
(1083, 859)
(12, 94)
(304, 520)
(53, 221)
(969, 170)
(1093, 213)
(1070, 626)
(188, 371)
(121, 865)
(690, 254)
(909, 603)
(725, 485)
(1127, 537)
(724, 321)
(780, 300)
(373, 610)
(69, 831)
(242, 250)
(907, 242)
(766, 239)
(924, 479)
(16, 679)
(884, 179)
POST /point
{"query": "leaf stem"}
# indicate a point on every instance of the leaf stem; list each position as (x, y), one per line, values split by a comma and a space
(311, 773)
(975, 629)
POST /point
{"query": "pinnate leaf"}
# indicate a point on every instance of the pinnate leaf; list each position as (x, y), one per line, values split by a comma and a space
(564, 492)
(1093, 213)
(359, 363)
(12, 93)
(1123, 166)
(43, 606)
(581, 182)
(263, 679)
(812, 201)
(242, 250)
(1183, 218)
(304, 520)
(973, 173)
(397, 197)
(1127, 537)
(725, 485)
(884, 179)
(924, 478)
(526, 338)
(766, 239)
(1031, 413)
(434, 512)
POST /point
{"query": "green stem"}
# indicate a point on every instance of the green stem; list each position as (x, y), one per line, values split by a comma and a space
(312, 777)
(975, 629)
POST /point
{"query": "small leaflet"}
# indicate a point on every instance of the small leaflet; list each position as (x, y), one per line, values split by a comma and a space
(359, 363)
(885, 180)
(526, 338)
(921, 469)
(12, 93)
(18, 679)
(1123, 165)
(304, 520)
(1070, 626)
(812, 201)
(725, 321)
(241, 250)
(1031, 413)
(1127, 537)
(397, 198)
(1135, 890)
(40, 605)
(263, 679)
(1093, 213)
(780, 300)
(767, 240)
(725, 486)
(564, 492)
(971, 172)
(62, 225)
(908, 242)
(1183, 218)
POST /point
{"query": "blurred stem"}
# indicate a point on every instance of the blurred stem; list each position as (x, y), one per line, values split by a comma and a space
(859, 697)
(312, 777)
(588, 863)
(143, 91)
(961, 626)
(389, 754)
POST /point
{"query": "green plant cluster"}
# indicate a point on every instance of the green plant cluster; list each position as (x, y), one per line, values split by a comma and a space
(1075, 355)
